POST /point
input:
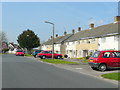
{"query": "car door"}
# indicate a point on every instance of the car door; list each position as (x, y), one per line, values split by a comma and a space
(50, 54)
(46, 53)
(106, 58)
(115, 59)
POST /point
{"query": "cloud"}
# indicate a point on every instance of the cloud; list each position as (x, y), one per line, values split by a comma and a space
(96, 22)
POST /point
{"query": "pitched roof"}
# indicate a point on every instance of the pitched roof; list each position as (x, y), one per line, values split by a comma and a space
(58, 40)
(103, 30)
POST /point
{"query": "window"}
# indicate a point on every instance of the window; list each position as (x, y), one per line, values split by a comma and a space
(106, 55)
(96, 54)
(103, 39)
(117, 38)
(45, 52)
(116, 54)
(93, 40)
(73, 42)
(67, 43)
(78, 42)
(82, 41)
(87, 41)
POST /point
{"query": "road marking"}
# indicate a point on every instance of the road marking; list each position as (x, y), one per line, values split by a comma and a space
(78, 68)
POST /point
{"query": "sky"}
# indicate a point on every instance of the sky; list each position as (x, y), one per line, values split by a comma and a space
(20, 16)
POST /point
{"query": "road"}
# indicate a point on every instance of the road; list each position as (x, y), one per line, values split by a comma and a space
(22, 72)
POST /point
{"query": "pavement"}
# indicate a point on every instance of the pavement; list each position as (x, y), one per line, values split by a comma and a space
(83, 68)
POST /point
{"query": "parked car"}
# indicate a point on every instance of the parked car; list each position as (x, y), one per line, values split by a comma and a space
(48, 54)
(19, 53)
(36, 52)
(103, 60)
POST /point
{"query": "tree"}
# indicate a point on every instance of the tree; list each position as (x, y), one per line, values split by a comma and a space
(3, 38)
(28, 40)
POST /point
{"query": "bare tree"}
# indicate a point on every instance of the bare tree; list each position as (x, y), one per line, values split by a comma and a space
(3, 38)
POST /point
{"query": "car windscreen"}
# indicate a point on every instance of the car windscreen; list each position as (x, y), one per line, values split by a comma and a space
(96, 54)
(19, 51)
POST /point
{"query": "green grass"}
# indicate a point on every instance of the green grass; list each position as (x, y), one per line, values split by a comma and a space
(57, 61)
(84, 61)
(113, 76)
(27, 55)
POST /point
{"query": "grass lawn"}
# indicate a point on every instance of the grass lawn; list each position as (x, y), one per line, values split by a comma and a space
(27, 55)
(57, 61)
(113, 76)
(84, 61)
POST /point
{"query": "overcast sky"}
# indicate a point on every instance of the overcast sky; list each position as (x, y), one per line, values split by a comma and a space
(20, 16)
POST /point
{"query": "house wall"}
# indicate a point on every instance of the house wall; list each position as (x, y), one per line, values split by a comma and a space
(57, 48)
(63, 49)
(71, 49)
(46, 47)
(84, 49)
(111, 42)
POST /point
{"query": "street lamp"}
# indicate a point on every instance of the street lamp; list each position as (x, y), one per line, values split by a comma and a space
(52, 39)
(27, 43)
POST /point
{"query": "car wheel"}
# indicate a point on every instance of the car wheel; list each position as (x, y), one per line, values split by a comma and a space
(102, 67)
(58, 57)
(94, 68)
(43, 57)
(34, 56)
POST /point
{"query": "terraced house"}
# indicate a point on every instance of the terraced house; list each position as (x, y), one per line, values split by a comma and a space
(84, 42)
(59, 45)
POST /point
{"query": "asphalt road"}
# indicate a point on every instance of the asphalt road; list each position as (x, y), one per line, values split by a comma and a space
(22, 72)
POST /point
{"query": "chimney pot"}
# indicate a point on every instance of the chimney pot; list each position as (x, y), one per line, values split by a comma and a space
(56, 35)
(116, 19)
(91, 25)
(79, 29)
(73, 31)
(65, 33)
(51, 37)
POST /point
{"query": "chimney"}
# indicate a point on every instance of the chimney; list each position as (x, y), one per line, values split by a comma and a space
(91, 25)
(73, 31)
(116, 19)
(65, 33)
(79, 29)
(51, 37)
(56, 35)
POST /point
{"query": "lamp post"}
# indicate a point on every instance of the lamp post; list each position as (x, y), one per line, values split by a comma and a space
(27, 43)
(52, 39)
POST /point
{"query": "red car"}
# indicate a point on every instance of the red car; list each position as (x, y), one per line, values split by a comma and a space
(48, 54)
(19, 53)
(103, 60)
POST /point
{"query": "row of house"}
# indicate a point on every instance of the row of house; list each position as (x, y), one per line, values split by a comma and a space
(12, 48)
(84, 42)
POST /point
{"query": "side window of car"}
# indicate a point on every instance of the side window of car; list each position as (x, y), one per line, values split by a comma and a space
(106, 55)
(116, 54)
(45, 52)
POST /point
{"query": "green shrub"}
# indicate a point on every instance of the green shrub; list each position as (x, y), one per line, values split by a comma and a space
(5, 50)
(87, 57)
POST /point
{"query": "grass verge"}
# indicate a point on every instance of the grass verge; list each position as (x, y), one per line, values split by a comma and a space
(57, 61)
(27, 55)
(84, 61)
(113, 76)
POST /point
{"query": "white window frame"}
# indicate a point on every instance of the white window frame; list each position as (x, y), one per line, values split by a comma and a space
(103, 39)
